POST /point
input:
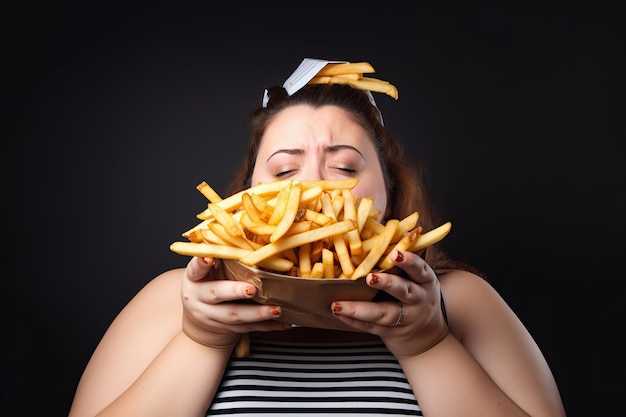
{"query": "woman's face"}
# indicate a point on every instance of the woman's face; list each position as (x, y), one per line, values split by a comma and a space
(320, 144)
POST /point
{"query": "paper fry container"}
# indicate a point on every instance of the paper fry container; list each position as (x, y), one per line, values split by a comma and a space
(304, 301)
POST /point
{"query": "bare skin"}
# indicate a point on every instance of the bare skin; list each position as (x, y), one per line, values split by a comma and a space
(166, 352)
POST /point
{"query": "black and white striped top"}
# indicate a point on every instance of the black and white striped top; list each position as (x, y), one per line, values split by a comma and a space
(315, 379)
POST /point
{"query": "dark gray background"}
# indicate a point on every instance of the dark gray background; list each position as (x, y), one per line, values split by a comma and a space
(114, 113)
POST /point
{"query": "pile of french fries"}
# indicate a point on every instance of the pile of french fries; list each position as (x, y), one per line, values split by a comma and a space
(353, 73)
(309, 229)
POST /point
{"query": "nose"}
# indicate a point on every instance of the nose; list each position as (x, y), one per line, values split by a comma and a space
(312, 170)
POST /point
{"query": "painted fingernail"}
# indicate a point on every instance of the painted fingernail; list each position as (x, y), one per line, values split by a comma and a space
(275, 311)
(248, 290)
(205, 261)
(336, 307)
(399, 257)
(373, 279)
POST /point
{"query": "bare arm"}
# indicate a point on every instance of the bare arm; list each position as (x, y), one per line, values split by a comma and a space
(147, 365)
(487, 365)
(482, 362)
(147, 335)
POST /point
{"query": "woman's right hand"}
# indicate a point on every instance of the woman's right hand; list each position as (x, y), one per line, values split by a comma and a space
(213, 314)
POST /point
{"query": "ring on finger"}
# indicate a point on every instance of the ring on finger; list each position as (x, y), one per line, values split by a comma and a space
(401, 317)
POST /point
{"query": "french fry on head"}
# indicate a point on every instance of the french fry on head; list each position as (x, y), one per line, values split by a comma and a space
(342, 68)
(353, 73)
(308, 229)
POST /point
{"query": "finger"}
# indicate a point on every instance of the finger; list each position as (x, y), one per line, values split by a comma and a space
(220, 291)
(236, 314)
(415, 267)
(399, 287)
(199, 268)
(385, 313)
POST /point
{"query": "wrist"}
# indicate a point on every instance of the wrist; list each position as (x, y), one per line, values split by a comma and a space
(433, 346)
(217, 341)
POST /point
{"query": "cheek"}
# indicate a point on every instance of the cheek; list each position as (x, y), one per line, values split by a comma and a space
(259, 175)
(376, 190)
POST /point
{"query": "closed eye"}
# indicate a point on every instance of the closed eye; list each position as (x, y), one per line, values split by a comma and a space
(284, 173)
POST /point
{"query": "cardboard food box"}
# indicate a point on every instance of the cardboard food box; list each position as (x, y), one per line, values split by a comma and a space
(304, 301)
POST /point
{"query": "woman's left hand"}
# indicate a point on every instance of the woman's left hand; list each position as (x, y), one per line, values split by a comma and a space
(412, 321)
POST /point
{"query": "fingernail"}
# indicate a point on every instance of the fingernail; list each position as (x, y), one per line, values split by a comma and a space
(248, 290)
(373, 279)
(398, 257)
(336, 307)
(205, 261)
(275, 311)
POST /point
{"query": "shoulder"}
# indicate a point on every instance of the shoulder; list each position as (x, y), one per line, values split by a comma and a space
(457, 279)
(472, 303)
(159, 295)
(457, 282)
(165, 280)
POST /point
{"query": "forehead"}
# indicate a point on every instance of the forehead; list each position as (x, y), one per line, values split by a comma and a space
(326, 125)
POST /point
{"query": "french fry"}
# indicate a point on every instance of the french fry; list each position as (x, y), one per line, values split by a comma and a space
(327, 206)
(339, 68)
(328, 261)
(265, 210)
(329, 185)
(280, 205)
(242, 348)
(402, 245)
(293, 241)
(237, 241)
(208, 192)
(317, 218)
(233, 202)
(202, 225)
(339, 243)
(431, 237)
(292, 204)
(376, 227)
(365, 205)
(226, 220)
(377, 251)
(299, 227)
(310, 194)
(328, 79)
(350, 213)
(209, 250)
(343, 255)
(369, 84)
(317, 271)
(337, 204)
(304, 260)
(248, 223)
(405, 225)
(263, 229)
(250, 209)
(208, 236)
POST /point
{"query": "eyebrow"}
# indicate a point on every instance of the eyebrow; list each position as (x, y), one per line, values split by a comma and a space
(332, 148)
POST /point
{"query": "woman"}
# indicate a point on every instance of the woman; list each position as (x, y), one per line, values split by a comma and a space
(450, 346)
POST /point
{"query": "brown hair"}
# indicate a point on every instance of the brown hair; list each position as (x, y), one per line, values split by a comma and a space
(405, 189)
